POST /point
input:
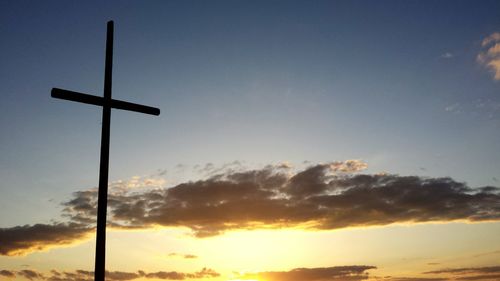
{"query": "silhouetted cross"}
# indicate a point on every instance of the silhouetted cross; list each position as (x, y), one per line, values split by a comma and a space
(107, 103)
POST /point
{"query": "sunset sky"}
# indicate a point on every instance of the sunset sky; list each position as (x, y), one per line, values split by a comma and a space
(297, 141)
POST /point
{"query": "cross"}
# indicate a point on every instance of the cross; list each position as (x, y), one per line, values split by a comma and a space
(107, 103)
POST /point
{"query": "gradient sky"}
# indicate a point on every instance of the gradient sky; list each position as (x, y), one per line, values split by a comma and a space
(383, 89)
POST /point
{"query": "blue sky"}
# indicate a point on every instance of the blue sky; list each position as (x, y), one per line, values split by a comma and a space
(260, 82)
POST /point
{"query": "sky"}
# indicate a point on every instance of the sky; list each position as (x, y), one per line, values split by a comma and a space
(297, 141)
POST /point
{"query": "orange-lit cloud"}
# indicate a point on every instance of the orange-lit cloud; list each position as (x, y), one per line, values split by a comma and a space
(490, 54)
(336, 273)
(320, 197)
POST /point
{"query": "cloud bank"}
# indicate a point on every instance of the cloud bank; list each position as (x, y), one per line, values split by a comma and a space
(332, 273)
(85, 275)
(320, 197)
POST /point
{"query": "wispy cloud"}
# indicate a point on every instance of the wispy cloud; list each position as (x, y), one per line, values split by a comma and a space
(184, 256)
(489, 56)
(497, 252)
(447, 55)
(455, 108)
(336, 273)
(483, 108)
(470, 273)
(320, 197)
(466, 270)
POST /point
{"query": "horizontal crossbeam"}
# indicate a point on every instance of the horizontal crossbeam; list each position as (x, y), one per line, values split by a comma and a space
(95, 100)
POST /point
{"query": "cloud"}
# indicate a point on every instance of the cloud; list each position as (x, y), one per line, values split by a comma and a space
(414, 279)
(470, 273)
(486, 109)
(333, 273)
(171, 275)
(174, 275)
(497, 252)
(464, 270)
(320, 197)
(494, 37)
(455, 108)
(7, 273)
(185, 256)
(30, 274)
(21, 240)
(86, 275)
(492, 277)
(344, 273)
(120, 275)
(139, 182)
(447, 55)
(348, 166)
(489, 55)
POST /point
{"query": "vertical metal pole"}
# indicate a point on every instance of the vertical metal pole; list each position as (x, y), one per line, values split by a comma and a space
(102, 201)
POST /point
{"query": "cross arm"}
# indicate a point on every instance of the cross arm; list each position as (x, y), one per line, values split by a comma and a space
(75, 96)
(118, 104)
(90, 99)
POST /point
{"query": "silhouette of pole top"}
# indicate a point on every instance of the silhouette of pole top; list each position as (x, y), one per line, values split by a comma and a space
(106, 102)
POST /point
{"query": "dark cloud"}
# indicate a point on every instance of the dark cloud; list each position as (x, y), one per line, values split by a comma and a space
(170, 275)
(85, 275)
(30, 274)
(336, 273)
(323, 196)
(24, 239)
(120, 275)
(7, 273)
(174, 275)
